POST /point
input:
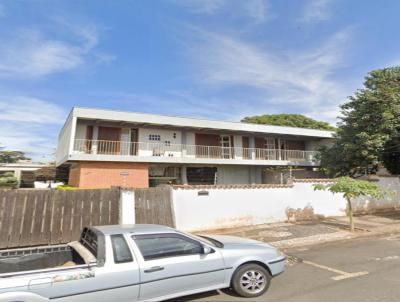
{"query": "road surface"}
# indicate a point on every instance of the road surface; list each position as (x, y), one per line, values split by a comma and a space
(366, 270)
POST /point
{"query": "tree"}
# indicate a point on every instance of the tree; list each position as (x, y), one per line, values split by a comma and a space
(46, 173)
(369, 120)
(351, 188)
(391, 156)
(8, 180)
(291, 120)
(7, 156)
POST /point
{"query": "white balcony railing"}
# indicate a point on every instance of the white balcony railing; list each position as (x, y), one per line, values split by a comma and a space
(158, 149)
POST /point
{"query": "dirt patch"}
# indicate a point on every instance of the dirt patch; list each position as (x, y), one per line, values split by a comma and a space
(304, 214)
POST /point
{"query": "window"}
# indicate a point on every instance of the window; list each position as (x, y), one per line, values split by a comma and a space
(166, 245)
(174, 135)
(120, 249)
(89, 240)
(168, 143)
(154, 137)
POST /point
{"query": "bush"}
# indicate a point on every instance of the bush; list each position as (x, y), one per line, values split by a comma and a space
(8, 180)
(66, 188)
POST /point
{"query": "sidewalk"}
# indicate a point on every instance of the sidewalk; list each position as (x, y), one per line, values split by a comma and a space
(289, 235)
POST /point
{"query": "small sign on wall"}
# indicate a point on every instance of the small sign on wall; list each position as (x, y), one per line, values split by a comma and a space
(124, 173)
(202, 193)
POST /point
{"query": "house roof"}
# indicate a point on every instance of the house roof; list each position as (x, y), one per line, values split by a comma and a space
(184, 122)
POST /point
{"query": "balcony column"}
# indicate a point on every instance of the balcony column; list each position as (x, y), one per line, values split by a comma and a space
(183, 146)
(279, 149)
(255, 175)
(95, 137)
(184, 176)
(252, 147)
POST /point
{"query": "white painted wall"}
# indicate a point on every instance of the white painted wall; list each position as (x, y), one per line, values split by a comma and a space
(45, 184)
(64, 140)
(127, 207)
(166, 135)
(240, 207)
(390, 185)
(234, 207)
(81, 130)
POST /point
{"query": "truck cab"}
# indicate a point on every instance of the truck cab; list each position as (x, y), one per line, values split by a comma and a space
(135, 263)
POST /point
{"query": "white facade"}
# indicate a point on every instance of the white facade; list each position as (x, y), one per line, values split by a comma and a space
(176, 140)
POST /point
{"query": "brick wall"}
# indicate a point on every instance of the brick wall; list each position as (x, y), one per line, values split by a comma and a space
(73, 179)
(108, 174)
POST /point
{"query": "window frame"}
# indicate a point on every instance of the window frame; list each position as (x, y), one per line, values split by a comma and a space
(116, 261)
(166, 235)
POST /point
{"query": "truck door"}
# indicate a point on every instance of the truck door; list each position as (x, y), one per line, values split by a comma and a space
(116, 280)
(173, 264)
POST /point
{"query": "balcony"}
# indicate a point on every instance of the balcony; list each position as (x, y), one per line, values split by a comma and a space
(169, 152)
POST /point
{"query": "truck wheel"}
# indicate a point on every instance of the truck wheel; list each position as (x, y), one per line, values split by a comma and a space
(251, 280)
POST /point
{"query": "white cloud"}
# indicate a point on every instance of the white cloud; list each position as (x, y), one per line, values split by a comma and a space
(30, 125)
(316, 11)
(30, 110)
(300, 80)
(30, 53)
(256, 10)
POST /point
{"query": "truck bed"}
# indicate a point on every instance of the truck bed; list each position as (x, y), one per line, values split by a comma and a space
(36, 258)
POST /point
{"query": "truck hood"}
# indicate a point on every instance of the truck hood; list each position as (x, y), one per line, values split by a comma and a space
(233, 240)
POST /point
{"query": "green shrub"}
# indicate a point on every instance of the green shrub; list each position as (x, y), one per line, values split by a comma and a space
(66, 188)
(8, 180)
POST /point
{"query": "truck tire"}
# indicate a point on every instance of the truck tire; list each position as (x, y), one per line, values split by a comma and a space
(251, 280)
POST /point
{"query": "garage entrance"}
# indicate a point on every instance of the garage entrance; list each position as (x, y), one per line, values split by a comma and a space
(201, 175)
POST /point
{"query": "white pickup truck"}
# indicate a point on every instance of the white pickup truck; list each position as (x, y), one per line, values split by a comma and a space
(137, 263)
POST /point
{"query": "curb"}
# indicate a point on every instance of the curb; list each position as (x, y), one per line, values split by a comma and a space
(334, 237)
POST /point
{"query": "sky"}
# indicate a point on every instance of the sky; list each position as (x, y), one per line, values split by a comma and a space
(216, 59)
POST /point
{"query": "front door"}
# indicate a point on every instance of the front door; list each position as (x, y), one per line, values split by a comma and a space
(134, 142)
(109, 140)
(207, 145)
(226, 145)
(173, 263)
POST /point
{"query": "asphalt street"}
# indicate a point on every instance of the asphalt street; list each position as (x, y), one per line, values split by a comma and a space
(364, 270)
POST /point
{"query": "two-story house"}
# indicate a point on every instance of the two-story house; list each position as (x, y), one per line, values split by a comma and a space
(106, 148)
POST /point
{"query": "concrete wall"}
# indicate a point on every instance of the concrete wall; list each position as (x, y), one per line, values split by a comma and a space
(391, 185)
(248, 205)
(223, 208)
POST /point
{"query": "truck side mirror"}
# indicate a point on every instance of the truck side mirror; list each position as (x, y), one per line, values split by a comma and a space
(205, 250)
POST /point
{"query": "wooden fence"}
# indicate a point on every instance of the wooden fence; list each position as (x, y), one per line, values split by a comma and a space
(36, 217)
(154, 205)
